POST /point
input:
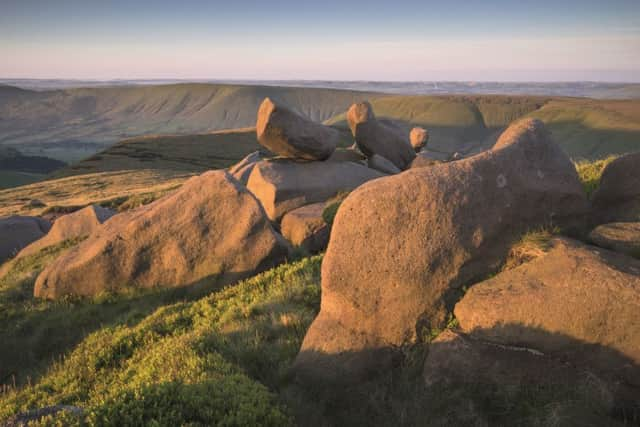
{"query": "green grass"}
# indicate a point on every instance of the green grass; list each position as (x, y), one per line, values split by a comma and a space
(187, 362)
(591, 171)
(223, 359)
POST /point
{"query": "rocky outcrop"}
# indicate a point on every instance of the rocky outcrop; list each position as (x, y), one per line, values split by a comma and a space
(376, 137)
(383, 165)
(617, 198)
(19, 231)
(578, 302)
(284, 185)
(78, 224)
(210, 232)
(418, 138)
(401, 247)
(288, 134)
(623, 237)
(304, 227)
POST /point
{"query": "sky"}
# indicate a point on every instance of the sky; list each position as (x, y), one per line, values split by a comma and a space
(399, 40)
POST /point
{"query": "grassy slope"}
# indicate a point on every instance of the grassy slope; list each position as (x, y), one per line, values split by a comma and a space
(585, 128)
(172, 359)
(36, 120)
(190, 361)
(107, 188)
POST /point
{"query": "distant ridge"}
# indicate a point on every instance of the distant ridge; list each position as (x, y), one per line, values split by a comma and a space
(60, 123)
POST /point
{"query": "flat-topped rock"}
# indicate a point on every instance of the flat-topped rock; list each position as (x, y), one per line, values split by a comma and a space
(577, 301)
(304, 227)
(377, 137)
(210, 232)
(623, 237)
(289, 134)
(284, 185)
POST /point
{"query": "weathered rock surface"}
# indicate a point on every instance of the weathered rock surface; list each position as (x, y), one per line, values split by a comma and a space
(418, 138)
(402, 246)
(617, 198)
(80, 223)
(305, 227)
(284, 185)
(383, 165)
(579, 302)
(376, 137)
(623, 237)
(458, 360)
(242, 170)
(16, 232)
(291, 135)
(425, 159)
(210, 232)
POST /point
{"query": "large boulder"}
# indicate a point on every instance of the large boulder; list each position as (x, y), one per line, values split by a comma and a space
(617, 198)
(579, 302)
(402, 247)
(210, 232)
(284, 185)
(291, 135)
(304, 227)
(621, 237)
(16, 232)
(377, 137)
(78, 224)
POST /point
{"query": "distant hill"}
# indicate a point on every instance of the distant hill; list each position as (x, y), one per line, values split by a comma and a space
(75, 123)
(585, 128)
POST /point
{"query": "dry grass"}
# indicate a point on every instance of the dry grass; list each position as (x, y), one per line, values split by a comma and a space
(102, 187)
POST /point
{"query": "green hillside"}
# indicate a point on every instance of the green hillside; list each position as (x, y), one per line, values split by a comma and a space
(75, 123)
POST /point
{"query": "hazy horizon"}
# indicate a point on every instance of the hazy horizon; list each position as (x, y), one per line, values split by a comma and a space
(407, 41)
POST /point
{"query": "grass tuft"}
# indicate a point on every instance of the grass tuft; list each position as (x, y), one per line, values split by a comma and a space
(590, 173)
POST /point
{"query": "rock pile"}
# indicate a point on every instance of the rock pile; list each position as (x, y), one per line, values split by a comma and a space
(377, 137)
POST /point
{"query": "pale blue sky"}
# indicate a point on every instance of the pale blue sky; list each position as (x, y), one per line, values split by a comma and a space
(338, 40)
